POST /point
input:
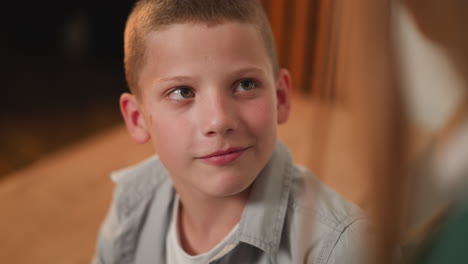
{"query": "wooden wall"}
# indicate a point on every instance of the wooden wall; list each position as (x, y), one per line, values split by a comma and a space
(294, 26)
(306, 39)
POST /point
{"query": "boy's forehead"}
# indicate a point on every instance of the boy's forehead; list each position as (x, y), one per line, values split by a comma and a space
(177, 31)
(198, 43)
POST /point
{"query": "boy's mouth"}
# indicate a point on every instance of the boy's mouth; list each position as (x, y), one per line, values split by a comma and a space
(223, 157)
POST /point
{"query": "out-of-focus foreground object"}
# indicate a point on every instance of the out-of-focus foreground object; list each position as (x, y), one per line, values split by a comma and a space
(437, 203)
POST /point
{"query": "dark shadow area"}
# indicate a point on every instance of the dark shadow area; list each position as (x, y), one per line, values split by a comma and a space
(63, 73)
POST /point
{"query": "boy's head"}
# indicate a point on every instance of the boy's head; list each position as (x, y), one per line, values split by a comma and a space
(156, 15)
(209, 97)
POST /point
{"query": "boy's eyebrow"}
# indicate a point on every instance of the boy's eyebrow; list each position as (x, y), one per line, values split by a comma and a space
(246, 70)
(240, 71)
(173, 78)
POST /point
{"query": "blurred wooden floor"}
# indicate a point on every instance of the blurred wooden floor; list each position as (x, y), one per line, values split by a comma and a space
(52, 209)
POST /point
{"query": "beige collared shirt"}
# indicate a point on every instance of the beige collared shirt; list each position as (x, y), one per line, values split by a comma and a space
(290, 218)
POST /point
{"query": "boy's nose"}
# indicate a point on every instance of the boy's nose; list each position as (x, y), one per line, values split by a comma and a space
(219, 117)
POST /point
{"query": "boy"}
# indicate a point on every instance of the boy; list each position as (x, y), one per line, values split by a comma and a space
(208, 93)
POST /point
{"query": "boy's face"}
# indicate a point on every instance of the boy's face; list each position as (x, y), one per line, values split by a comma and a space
(210, 104)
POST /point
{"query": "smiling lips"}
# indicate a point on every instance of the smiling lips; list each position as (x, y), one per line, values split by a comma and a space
(223, 157)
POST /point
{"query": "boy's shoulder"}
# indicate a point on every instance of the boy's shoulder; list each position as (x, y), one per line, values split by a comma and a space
(138, 183)
(311, 197)
(136, 187)
(323, 218)
(292, 215)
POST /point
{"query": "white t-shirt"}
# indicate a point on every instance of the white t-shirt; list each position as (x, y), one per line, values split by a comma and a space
(176, 255)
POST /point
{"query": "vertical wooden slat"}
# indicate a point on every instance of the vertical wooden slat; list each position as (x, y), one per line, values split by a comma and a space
(277, 16)
(311, 40)
(329, 94)
(288, 30)
(318, 82)
(298, 42)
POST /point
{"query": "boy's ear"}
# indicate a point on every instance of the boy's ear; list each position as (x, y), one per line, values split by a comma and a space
(133, 118)
(283, 95)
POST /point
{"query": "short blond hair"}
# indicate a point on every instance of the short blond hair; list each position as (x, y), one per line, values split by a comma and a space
(153, 15)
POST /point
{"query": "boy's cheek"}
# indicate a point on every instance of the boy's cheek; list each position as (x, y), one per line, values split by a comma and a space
(263, 116)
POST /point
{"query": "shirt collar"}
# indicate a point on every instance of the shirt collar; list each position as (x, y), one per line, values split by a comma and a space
(262, 221)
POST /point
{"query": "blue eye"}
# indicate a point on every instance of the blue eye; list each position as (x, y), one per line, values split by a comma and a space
(181, 93)
(245, 85)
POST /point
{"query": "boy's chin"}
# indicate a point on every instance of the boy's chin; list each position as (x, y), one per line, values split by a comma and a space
(229, 187)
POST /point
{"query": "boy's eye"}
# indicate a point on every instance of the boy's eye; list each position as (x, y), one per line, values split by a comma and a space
(181, 93)
(245, 85)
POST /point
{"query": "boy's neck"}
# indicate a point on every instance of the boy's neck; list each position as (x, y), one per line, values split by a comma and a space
(203, 222)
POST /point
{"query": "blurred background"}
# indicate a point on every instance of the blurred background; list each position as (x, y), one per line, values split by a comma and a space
(62, 74)
(372, 94)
